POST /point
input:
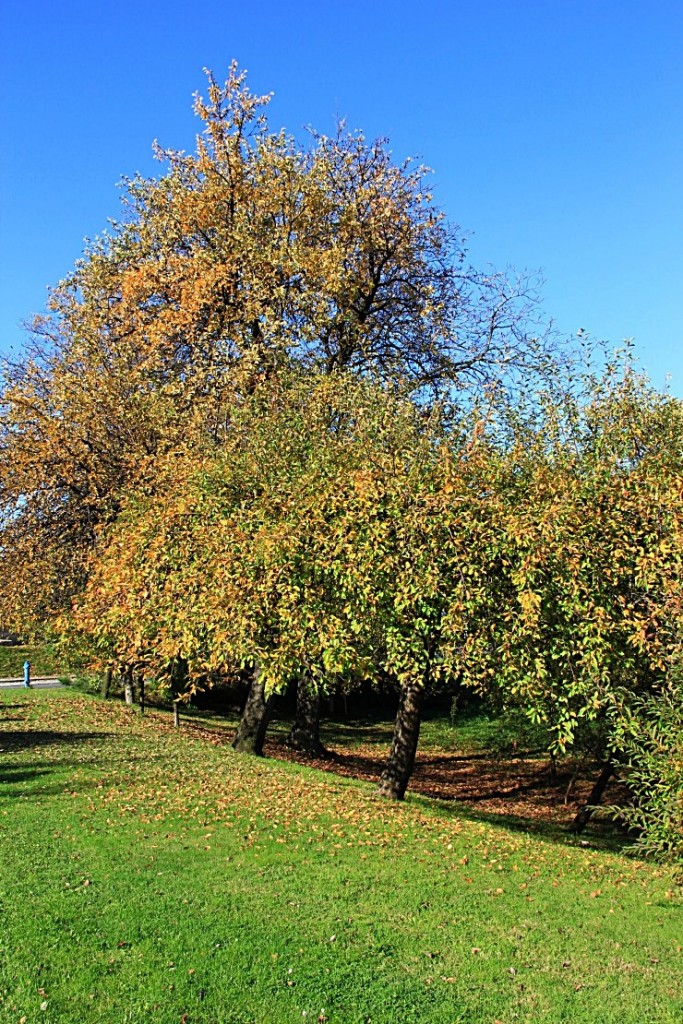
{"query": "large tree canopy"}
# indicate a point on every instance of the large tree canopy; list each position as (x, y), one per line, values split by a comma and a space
(258, 247)
(254, 253)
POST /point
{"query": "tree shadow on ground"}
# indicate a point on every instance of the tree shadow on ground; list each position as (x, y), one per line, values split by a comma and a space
(19, 741)
(10, 707)
(10, 773)
(11, 742)
(358, 732)
(55, 777)
(600, 833)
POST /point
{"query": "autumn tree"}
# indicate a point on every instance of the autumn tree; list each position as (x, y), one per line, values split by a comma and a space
(543, 566)
(252, 558)
(252, 253)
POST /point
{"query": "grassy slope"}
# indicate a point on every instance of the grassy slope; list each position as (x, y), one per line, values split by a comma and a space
(44, 661)
(147, 875)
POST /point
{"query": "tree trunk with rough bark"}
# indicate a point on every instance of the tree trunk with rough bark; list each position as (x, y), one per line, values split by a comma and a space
(128, 685)
(583, 817)
(105, 688)
(399, 768)
(305, 732)
(251, 731)
(179, 676)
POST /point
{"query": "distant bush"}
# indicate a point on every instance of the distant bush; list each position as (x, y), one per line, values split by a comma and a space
(85, 682)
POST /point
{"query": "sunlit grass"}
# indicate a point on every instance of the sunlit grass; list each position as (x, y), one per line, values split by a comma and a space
(149, 874)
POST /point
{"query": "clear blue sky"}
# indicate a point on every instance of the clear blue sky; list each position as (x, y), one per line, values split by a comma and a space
(555, 130)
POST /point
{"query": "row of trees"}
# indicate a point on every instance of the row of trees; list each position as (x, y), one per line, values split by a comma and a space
(338, 533)
(274, 425)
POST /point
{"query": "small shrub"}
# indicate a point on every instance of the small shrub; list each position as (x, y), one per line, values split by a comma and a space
(85, 682)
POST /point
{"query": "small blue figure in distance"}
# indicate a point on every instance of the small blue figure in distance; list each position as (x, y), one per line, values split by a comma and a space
(27, 673)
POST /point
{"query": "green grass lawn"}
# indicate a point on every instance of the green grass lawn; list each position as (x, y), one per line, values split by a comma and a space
(150, 874)
(44, 661)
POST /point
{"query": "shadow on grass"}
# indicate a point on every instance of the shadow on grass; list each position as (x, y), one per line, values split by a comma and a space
(20, 741)
(10, 742)
(600, 834)
(42, 779)
(11, 774)
(358, 732)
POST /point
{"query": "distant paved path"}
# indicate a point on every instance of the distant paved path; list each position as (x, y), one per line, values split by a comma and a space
(37, 683)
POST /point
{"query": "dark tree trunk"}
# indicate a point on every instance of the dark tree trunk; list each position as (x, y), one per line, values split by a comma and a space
(128, 685)
(106, 683)
(305, 732)
(251, 731)
(583, 817)
(141, 687)
(396, 775)
(179, 676)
